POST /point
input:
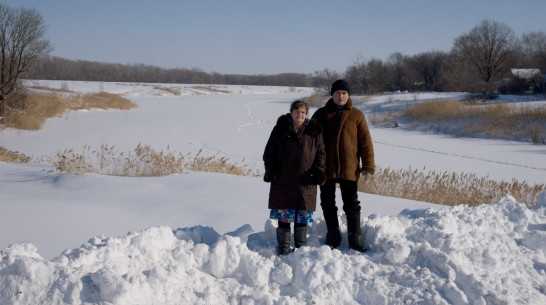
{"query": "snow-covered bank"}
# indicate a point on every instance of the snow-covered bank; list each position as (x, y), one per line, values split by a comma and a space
(492, 254)
(203, 238)
(55, 212)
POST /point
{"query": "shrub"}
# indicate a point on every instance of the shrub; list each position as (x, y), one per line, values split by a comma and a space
(516, 86)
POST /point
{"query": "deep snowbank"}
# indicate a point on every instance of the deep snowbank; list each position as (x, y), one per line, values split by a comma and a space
(491, 254)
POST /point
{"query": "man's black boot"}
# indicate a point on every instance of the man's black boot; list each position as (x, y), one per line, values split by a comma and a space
(333, 236)
(355, 233)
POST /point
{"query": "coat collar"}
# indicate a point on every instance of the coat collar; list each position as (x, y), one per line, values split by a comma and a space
(312, 126)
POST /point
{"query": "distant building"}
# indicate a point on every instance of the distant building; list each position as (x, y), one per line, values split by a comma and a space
(527, 74)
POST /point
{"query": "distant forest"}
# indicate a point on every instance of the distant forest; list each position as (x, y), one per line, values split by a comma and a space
(55, 68)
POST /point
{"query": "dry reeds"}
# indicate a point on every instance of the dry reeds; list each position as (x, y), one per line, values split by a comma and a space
(439, 110)
(173, 91)
(211, 89)
(64, 88)
(100, 100)
(315, 100)
(447, 188)
(13, 156)
(34, 108)
(217, 164)
(383, 119)
(143, 161)
(497, 121)
(435, 187)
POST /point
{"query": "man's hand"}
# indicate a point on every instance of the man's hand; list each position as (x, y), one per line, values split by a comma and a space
(366, 174)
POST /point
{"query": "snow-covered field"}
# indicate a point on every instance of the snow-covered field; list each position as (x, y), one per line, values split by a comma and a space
(204, 238)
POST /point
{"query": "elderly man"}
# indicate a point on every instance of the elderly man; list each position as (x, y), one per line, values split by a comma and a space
(349, 153)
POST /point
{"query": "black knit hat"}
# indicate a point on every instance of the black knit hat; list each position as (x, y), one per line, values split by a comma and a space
(340, 84)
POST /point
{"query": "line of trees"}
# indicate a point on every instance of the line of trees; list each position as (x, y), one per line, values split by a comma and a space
(56, 68)
(479, 61)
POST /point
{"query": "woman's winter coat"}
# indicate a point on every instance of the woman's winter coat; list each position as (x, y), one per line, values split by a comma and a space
(347, 141)
(294, 164)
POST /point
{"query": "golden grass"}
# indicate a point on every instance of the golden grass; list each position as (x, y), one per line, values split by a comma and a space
(37, 107)
(443, 188)
(498, 121)
(436, 187)
(315, 100)
(211, 89)
(447, 188)
(48, 89)
(171, 90)
(143, 161)
(441, 109)
(101, 100)
(13, 156)
(383, 119)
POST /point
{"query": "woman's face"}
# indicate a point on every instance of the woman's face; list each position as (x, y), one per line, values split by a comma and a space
(298, 116)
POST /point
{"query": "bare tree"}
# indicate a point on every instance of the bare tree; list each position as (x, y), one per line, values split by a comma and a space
(426, 70)
(357, 76)
(490, 47)
(378, 76)
(21, 43)
(325, 78)
(459, 74)
(368, 77)
(398, 68)
(534, 50)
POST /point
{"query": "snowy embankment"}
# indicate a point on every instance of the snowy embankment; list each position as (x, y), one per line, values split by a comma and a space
(492, 254)
(200, 238)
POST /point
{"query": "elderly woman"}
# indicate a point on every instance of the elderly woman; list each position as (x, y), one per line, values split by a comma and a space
(294, 160)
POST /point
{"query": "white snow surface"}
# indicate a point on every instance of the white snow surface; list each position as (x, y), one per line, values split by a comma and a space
(204, 238)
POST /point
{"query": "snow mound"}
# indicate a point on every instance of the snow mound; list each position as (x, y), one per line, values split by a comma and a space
(491, 254)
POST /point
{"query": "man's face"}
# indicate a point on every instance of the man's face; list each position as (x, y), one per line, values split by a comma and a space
(340, 97)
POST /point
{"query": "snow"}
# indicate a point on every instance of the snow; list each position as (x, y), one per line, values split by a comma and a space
(204, 238)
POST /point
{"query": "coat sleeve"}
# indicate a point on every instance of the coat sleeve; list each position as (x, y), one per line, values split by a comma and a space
(365, 146)
(320, 156)
(270, 153)
(319, 164)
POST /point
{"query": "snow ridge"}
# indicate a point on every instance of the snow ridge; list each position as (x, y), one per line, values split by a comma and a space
(490, 254)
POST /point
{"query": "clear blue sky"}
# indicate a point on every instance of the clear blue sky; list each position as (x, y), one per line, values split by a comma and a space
(267, 37)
